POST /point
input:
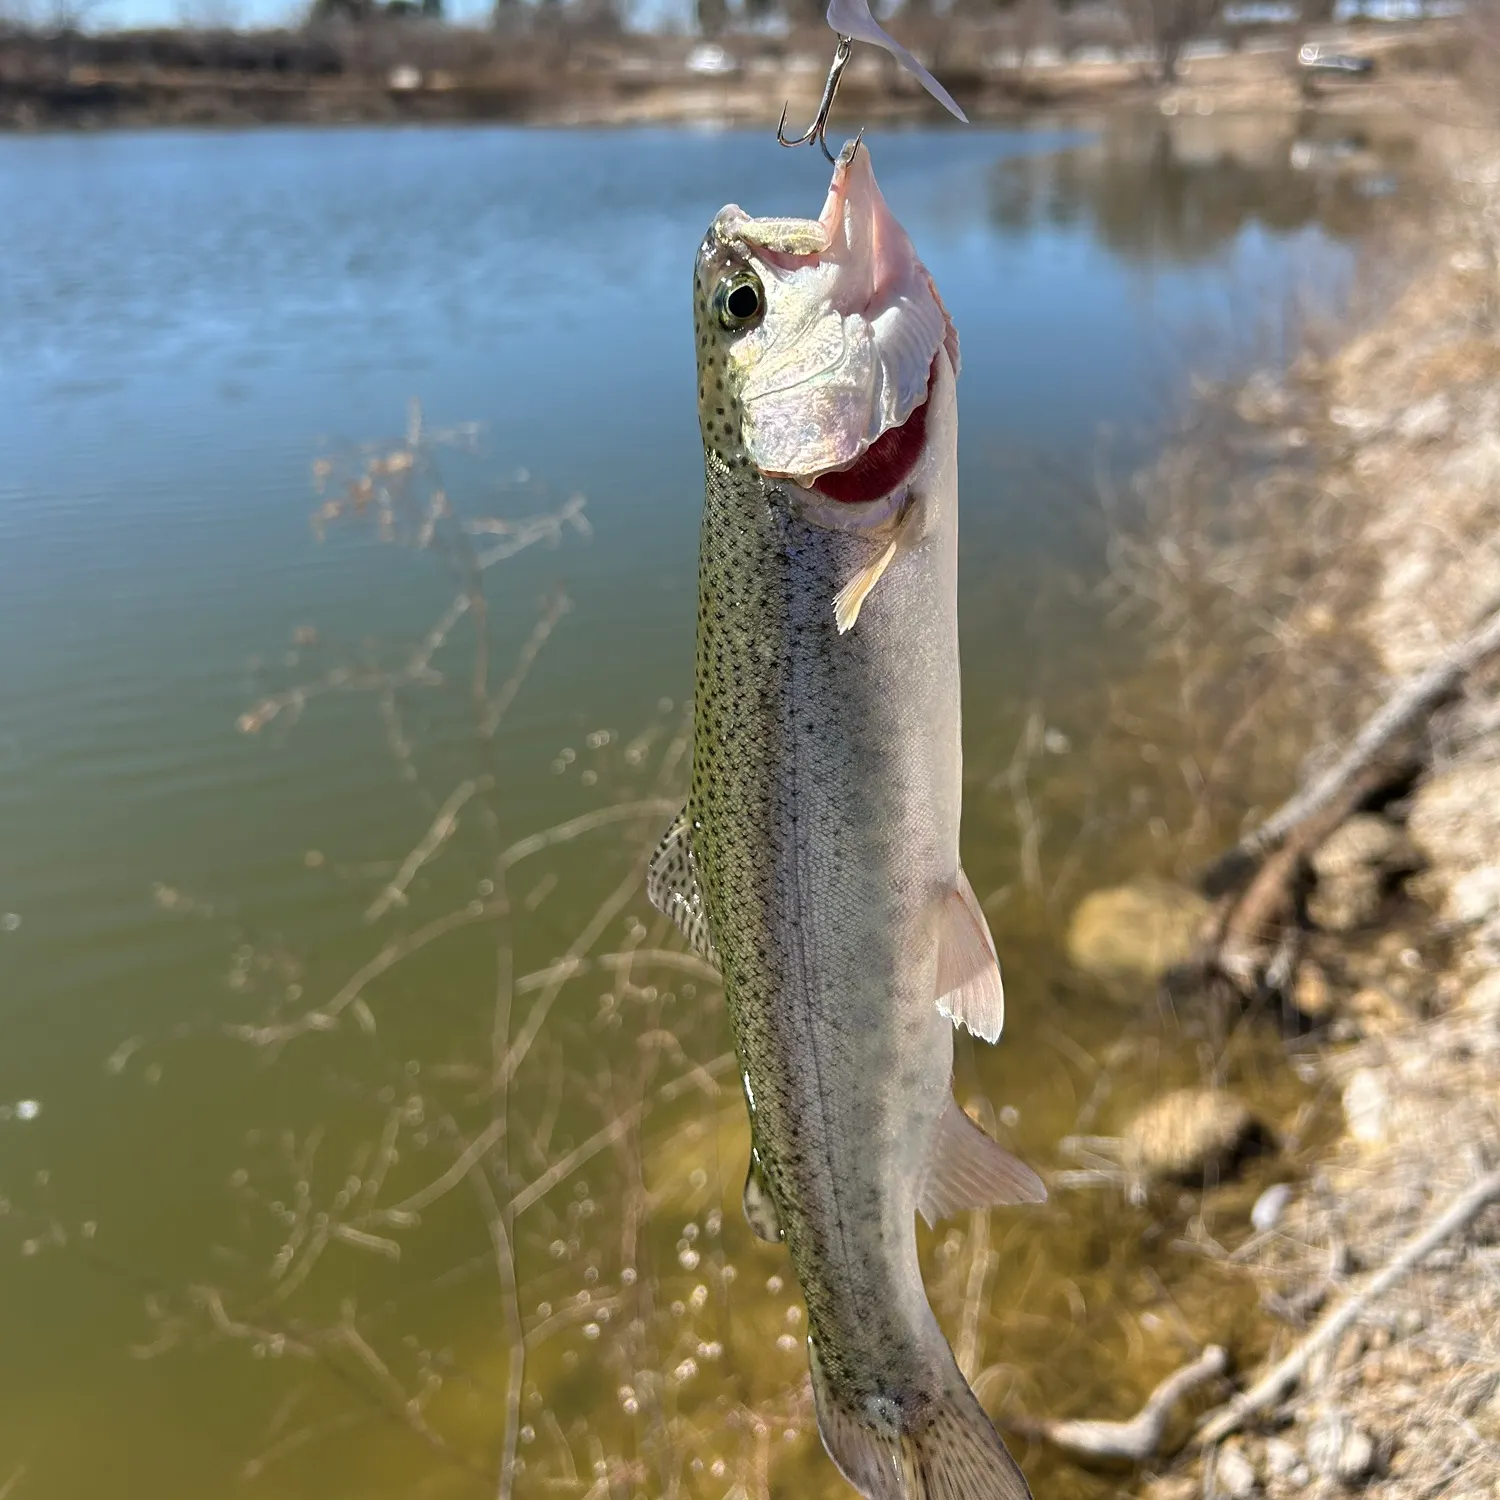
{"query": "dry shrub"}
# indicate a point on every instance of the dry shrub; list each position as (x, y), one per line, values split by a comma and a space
(1243, 558)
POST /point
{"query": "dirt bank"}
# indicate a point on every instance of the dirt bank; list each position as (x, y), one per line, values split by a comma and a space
(1360, 558)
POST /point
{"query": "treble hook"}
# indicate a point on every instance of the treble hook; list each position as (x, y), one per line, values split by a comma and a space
(817, 130)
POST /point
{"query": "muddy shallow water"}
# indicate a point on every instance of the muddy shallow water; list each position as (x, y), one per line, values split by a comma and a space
(365, 1132)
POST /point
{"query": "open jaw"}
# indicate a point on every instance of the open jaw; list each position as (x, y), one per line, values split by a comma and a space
(885, 465)
(834, 382)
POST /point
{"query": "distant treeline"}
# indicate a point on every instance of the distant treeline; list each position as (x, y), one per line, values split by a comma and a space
(398, 59)
(26, 53)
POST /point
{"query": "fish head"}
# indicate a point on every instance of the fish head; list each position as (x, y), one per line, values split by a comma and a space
(818, 342)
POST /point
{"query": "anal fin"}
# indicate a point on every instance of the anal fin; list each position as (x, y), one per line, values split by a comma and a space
(760, 1211)
(672, 886)
(968, 1170)
(970, 991)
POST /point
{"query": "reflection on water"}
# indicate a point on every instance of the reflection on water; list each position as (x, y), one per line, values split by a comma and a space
(386, 1143)
(1181, 191)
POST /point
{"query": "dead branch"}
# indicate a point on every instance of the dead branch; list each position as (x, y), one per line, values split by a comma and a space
(982, 1263)
(497, 707)
(1413, 701)
(1141, 1437)
(326, 1017)
(499, 1225)
(404, 1212)
(561, 833)
(612, 1132)
(1286, 1372)
(443, 827)
(1245, 933)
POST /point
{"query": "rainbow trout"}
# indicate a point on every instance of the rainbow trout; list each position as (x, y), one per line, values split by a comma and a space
(816, 862)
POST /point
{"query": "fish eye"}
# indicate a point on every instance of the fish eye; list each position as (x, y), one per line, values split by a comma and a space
(741, 301)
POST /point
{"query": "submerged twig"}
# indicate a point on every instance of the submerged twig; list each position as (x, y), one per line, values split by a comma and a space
(1141, 1437)
(443, 827)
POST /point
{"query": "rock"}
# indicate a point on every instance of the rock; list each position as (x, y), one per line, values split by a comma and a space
(1377, 1011)
(1366, 1106)
(1234, 1474)
(1455, 823)
(1352, 866)
(1281, 1458)
(1357, 1459)
(1346, 902)
(1337, 1449)
(1136, 931)
(1269, 1207)
(1311, 992)
(1474, 897)
(1189, 1132)
(1363, 841)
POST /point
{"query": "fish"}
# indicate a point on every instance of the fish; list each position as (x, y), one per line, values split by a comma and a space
(816, 861)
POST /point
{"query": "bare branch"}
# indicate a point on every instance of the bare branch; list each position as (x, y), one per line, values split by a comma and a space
(1286, 1372)
(1141, 1437)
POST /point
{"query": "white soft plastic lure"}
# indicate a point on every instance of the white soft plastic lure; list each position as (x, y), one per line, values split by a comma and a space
(853, 18)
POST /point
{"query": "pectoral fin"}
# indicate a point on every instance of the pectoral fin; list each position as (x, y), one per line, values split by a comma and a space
(672, 886)
(849, 599)
(969, 988)
(969, 1170)
(760, 1211)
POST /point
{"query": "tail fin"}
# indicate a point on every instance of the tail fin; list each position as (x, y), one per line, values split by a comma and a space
(955, 1455)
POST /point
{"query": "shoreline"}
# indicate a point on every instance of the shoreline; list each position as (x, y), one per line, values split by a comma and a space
(1411, 72)
(1365, 922)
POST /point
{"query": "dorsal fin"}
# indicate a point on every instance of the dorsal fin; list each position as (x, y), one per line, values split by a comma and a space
(672, 886)
(760, 1211)
(968, 1170)
(969, 988)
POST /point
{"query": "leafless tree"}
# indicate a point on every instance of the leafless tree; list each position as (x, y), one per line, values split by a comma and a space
(1167, 26)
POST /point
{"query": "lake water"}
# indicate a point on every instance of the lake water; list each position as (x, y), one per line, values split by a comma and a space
(303, 1121)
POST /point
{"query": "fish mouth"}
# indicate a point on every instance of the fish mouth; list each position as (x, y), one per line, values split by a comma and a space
(885, 465)
(833, 385)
